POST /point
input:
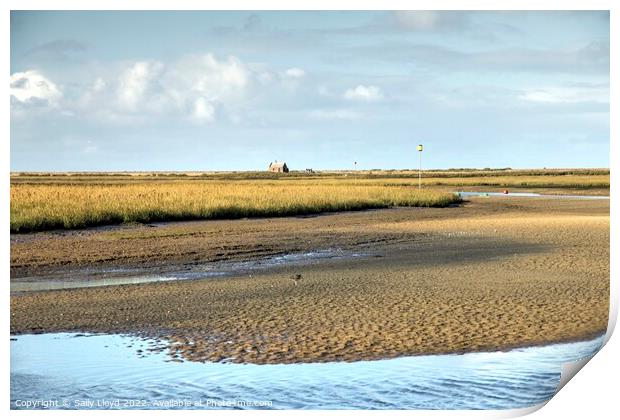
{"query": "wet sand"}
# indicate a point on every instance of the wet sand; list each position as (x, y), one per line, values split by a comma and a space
(492, 274)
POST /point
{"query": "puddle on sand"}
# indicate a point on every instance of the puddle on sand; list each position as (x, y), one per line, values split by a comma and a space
(113, 369)
(114, 277)
(499, 194)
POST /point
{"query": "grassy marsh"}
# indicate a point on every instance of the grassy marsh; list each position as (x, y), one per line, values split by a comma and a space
(44, 206)
(44, 201)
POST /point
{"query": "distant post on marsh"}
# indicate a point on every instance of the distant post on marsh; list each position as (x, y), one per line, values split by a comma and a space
(420, 148)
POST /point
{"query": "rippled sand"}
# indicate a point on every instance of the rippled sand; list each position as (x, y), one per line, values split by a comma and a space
(493, 274)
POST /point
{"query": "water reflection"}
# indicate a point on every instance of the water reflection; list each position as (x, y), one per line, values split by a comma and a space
(111, 367)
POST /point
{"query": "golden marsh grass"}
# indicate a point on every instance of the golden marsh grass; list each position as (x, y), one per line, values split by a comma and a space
(50, 206)
(41, 201)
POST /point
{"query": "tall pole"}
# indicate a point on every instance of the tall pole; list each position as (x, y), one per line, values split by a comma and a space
(420, 148)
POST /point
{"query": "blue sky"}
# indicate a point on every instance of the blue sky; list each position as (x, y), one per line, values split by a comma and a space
(96, 91)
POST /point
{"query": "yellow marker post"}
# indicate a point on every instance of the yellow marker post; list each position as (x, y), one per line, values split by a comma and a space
(420, 148)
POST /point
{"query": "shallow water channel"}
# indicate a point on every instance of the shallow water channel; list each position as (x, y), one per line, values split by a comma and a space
(466, 194)
(98, 278)
(114, 371)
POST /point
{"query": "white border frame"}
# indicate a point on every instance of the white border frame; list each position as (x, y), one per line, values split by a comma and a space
(592, 393)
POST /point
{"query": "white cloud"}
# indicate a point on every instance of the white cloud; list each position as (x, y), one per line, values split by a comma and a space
(196, 88)
(418, 19)
(567, 94)
(31, 86)
(214, 79)
(295, 72)
(364, 93)
(334, 114)
(192, 87)
(431, 20)
(202, 83)
(203, 111)
(135, 82)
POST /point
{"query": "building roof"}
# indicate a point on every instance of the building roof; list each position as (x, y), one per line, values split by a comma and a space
(277, 164)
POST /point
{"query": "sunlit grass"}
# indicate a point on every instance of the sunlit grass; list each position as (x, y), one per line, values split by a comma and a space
(37, 207)
(51, 201)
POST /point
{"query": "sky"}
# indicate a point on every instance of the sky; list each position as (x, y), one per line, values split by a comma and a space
(211, 91)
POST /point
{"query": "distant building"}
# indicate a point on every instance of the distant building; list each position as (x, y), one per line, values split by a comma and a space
(278, 167)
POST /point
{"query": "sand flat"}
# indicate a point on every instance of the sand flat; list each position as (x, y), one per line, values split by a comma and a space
(491, 274)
